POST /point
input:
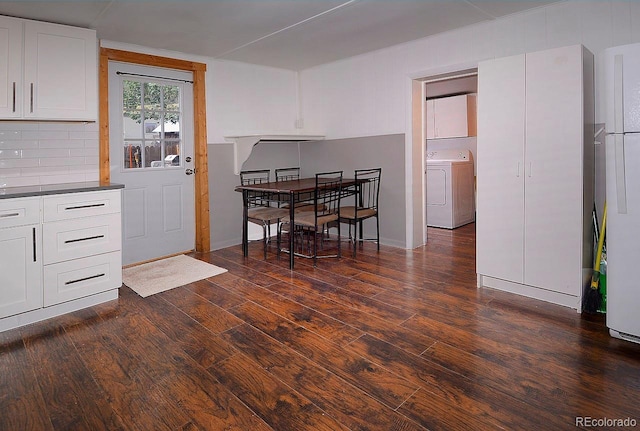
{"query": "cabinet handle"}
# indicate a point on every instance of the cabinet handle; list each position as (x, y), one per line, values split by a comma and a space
(89, 238)
(14, 96)
(34, 244)
(83, 279)
(9, 215)
(31, 98)
(518, 170)
(530, 169)
(79, 207)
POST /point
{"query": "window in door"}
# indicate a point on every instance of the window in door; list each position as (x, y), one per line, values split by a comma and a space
(151, 114)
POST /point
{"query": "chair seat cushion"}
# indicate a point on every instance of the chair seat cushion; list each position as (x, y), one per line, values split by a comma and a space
(267, 213)
(307, 218)
(350, 212)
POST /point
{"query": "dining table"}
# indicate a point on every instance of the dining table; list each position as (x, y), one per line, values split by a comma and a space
(291, 192)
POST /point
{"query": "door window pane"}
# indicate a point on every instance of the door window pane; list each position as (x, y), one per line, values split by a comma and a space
(151, 122)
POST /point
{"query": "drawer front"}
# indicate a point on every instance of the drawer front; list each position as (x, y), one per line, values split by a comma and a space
(19, 212)
(75, 205)
(73, 239)
(78, 278)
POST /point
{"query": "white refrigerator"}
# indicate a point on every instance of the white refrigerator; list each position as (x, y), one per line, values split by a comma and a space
(622, 145)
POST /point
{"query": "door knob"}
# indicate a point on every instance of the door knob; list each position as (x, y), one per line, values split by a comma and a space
(189, 172)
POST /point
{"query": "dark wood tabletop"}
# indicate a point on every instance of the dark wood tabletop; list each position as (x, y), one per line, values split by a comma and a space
(292, 186)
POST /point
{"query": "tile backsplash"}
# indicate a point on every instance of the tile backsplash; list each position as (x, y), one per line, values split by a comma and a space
(40, 153)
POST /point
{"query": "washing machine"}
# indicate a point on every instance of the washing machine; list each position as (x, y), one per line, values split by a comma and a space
(450, 188)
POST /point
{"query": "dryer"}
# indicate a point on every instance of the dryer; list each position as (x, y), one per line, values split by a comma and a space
(450, 188)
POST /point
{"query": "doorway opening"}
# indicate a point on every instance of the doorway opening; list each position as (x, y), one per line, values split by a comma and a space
(426, 89)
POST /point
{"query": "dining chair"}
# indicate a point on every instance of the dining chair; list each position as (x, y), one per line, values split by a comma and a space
(260, 211)
(290, 174)
(366, 206)
(309, 225)
(287, 174)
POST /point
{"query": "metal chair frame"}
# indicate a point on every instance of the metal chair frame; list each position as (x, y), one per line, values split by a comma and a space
(365, 206)
(311, 224)
(260, 210)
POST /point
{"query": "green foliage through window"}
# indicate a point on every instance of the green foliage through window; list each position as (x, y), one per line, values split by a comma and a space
(161, 101)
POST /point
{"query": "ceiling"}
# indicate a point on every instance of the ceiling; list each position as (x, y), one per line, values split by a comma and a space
(289, 34)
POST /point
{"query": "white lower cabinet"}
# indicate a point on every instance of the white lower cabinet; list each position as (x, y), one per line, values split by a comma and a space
(66, 258)
(20, 279)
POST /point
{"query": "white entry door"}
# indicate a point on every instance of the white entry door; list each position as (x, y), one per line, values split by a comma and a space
(151, 153)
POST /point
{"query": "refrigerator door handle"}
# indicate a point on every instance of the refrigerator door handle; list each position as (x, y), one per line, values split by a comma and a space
(618, 94)
(621, 182)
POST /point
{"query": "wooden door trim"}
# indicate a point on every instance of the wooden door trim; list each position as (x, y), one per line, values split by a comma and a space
(203, 229)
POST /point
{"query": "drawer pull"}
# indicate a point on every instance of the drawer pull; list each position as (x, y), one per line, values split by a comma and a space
(80, 207)
(89, 238)
(9, 215)
(84, 279)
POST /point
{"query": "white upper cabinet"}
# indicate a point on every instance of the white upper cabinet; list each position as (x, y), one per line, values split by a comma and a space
(451, 117)
(51, 71)
(10, 67)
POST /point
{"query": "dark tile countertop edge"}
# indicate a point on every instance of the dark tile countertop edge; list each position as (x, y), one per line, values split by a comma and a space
(56, 189)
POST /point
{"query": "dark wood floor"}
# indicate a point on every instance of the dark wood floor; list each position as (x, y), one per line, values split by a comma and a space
(400, 340)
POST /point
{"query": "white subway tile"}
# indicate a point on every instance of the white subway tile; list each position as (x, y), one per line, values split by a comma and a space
(84, 135)
(7, 173)
(45, 134)
(18, 125)
(61, 179)
(91, 127)
(62, 161)
(19, 181)
(63, 143)
(15, 145)
(10, 134)
(44, 170)
(55, 126)
(92, 176)
(46, 152)
(10, 154)
(18, 163)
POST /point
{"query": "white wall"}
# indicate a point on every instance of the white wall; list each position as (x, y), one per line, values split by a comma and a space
(367, 95)
(249, 99)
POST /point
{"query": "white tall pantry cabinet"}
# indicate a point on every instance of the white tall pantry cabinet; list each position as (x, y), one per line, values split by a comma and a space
(535, 162)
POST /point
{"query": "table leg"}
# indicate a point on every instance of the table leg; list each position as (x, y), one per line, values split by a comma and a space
(245, 222)
(292, 213)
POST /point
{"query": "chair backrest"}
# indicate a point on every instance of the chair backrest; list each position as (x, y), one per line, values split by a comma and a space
(368, 183)
(327, 193)
(257, 176)
(287, 174)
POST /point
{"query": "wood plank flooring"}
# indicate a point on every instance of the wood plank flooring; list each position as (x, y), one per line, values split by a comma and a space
(397, 340)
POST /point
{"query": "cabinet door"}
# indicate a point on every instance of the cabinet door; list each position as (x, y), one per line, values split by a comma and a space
(554, 176)
(21, 282)
(10, 67)
(500, 215)
(60, 72)
(451, 117)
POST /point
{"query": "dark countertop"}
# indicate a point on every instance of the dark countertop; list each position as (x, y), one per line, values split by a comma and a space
(56, 189)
